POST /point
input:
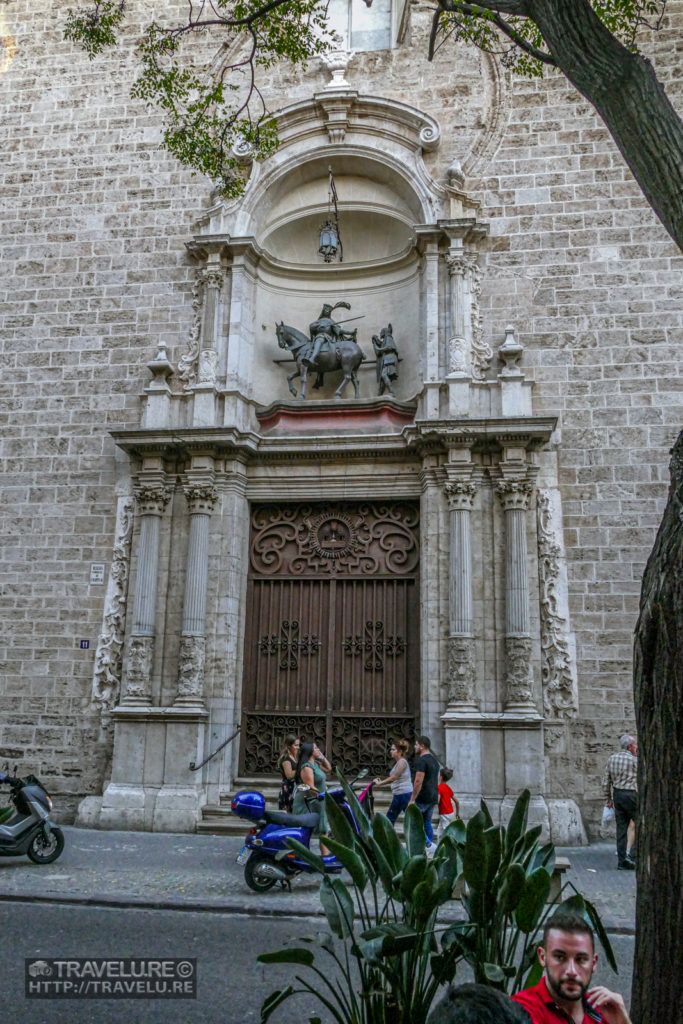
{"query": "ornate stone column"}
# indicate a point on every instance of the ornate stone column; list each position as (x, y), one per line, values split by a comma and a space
(428, 239)
(461, 667)
(213, 278)
(201, 500)
(514, 495)
(152, 497)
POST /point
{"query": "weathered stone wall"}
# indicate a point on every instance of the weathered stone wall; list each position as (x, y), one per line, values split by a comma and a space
(95, 273)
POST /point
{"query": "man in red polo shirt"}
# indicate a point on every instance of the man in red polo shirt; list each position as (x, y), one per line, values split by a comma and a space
(569, 958)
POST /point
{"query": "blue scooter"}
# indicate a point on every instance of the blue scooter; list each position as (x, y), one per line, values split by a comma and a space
(268, 837)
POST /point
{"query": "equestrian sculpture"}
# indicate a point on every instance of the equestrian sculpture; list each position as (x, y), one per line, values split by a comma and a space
(328, 348)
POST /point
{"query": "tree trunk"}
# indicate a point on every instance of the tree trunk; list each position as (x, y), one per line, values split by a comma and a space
(623, 88)
(658, 675)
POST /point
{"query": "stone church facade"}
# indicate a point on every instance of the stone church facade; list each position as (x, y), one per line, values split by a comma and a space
(192, 552)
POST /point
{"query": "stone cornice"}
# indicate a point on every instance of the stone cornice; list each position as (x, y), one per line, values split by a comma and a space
(530, 433)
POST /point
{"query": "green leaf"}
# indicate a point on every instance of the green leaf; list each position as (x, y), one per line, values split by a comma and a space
(338, 906)
(339, 826)
(413, 873)
(514, 880)
(389, 843)
(307, 855)
(275, 999)
(534, 975)
(413, 827)
(518, 820)
(350, 860)
(494, 973)
(386, 873)
(390, 939)
(303, 957)
(533, 900)
(356, 808)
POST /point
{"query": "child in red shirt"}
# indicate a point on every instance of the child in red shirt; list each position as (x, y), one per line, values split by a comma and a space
(449, 808)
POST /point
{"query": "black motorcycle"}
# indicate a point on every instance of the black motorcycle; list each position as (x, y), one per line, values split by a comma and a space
(25, 826)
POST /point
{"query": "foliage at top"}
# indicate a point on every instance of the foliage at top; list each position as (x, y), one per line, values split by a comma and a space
(518, 40)
(214, 110)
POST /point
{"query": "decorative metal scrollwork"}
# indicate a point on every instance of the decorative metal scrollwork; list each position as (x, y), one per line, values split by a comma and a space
(363, 741)
(336, 539)
(375, 645)
(289, 643)
(263, 737)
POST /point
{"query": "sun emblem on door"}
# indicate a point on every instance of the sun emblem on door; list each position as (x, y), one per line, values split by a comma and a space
(332, 534)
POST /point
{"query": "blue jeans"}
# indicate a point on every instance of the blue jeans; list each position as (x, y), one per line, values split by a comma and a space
(397, 806)
(426, 811)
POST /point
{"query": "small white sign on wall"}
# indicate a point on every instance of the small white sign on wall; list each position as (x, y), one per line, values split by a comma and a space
(97, 572)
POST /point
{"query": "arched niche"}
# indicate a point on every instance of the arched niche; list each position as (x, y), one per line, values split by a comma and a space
(270, 237)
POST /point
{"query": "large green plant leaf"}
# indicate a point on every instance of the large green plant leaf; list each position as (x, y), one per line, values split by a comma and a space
(307, 855)
(517, 823)
(413, 827)
(513, 883)
(338, 906)
(350, 860)
(389, 843)
(301, 957)
(413, 873)
(339, 825)
(481, 854)
(390, 939)
(532, 901)
(275, 999)
(355, 805)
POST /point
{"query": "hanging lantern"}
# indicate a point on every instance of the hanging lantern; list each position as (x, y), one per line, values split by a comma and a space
(330, 240)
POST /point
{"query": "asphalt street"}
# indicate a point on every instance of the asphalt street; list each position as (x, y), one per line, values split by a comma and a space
(118, 894)
(231, 985)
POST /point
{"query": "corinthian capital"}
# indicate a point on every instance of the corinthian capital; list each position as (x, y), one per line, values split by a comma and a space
(152, 499)
(460, 261)
(213, 277)
(201, 498)
(460, 494)
(514, 494)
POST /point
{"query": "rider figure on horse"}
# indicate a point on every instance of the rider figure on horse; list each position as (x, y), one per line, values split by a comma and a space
(323, 330)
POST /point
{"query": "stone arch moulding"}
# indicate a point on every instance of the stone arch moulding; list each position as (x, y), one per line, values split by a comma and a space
(346, 129)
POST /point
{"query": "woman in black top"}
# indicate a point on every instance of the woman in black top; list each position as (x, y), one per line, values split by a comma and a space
(287, 763)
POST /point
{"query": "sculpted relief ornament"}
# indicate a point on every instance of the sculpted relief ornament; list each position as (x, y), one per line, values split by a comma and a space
(106, 683)
(461, 669)
(191, 670)
(463, 357)
(560, 698)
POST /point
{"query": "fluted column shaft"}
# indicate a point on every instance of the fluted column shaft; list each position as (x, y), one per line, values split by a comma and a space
(201, 499)
(151, 501)
(515, 495)
(461, 669)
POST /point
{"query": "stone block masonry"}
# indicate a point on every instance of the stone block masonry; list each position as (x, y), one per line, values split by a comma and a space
(95, 217)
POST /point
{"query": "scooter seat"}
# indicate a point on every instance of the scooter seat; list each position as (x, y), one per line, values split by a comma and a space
(293, 820)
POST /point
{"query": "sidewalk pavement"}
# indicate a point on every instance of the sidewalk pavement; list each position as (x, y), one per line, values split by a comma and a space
(199, 873)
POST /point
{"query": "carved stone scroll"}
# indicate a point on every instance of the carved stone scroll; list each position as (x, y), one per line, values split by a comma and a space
(519, 677)
(106, 684)
(558, 669)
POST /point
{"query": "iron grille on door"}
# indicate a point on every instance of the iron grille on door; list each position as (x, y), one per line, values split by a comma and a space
(332, 631)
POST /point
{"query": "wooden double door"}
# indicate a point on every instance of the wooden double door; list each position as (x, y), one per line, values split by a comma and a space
(332, 631)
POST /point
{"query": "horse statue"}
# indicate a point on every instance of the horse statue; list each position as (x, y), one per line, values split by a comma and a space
(343, 354)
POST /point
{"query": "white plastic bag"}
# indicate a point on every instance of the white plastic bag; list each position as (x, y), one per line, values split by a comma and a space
(607, 816)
